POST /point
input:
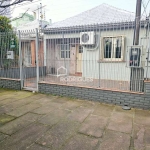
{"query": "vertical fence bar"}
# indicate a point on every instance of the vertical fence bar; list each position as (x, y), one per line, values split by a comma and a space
(20, 60)
(44, 38)
(37, 59)
(99, 56)
(148, 50)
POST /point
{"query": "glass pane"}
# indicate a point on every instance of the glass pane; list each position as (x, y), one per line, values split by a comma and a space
(68, 47)
(80, 49)
(118, 48)
(62, 47)
(67, 54)
(107, 47)
(62, 54)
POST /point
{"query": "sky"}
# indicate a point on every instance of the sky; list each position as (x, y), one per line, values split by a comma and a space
(58, 10)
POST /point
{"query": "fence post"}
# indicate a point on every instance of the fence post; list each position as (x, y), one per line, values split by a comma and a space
(44, 51)
(37, 59)
(20, 60)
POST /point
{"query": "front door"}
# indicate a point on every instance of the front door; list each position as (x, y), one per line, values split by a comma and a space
(79, 59)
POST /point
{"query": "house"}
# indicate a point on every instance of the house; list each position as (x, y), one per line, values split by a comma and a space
(22, 19)
(98, 44)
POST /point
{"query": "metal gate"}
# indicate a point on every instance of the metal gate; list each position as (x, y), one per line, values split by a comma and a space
(29, 67)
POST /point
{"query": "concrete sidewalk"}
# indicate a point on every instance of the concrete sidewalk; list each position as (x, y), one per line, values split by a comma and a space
(45, 122)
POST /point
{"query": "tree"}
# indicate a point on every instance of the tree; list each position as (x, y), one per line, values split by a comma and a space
(5, 24)
(7, 36)
(6, 4)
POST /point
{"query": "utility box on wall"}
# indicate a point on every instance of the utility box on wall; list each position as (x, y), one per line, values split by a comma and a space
(134, 55)
(10, 54)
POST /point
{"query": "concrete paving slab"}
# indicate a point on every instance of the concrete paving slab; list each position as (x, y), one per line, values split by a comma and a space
(138, 137)
(141, 136)
(59, 134)
(147, 148)
(115, 141)
(94, 126)
(128, 112)
(61, 99)
(147, 137)
(37, 147)
(5, 118)
(44, 100)
(16, 95)
(19, 123)
(47, 108)
(24, 138)
(103, 110)
(6, 101)
(54, 117)
(23, 110)
(89, 104)
(80, 114)
(3, 137)
(120, 122)
(71, 105)
(81, 142)
(142, 117)
(16, 104)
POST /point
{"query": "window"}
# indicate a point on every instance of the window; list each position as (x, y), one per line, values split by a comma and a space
(113, 48)
(80, 49)
(65, 51)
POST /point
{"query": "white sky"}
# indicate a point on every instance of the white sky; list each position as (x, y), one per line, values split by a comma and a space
(58, 10)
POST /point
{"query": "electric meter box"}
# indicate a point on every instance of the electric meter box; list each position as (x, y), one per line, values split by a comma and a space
(10, 54)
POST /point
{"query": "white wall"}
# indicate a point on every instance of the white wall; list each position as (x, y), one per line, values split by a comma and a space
(92, 66)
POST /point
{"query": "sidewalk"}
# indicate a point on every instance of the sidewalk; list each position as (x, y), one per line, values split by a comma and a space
(45, 122)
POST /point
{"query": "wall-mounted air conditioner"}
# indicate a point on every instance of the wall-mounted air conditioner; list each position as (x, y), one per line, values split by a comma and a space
(135, 56)
(87, 38)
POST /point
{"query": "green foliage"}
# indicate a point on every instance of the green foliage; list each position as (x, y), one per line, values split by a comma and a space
(6, 36)
(5, 25)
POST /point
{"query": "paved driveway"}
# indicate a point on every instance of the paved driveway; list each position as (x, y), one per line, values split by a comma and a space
(45, 122)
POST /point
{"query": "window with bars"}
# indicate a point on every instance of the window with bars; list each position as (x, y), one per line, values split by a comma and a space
(64, 50)
(113, 48)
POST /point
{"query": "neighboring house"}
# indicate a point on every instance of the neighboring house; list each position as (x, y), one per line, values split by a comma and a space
(28, 38)
(22, 19)
(96, 44)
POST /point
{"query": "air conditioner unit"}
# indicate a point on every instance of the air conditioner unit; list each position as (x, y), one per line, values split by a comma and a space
(87, 38)
(135, 55)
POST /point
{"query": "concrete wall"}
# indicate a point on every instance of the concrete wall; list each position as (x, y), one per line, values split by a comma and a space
(105, 96)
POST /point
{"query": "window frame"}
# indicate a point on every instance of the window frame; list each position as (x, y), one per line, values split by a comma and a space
(113, 48)
(64, 50)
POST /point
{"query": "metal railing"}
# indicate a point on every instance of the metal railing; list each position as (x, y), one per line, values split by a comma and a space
(96, 56)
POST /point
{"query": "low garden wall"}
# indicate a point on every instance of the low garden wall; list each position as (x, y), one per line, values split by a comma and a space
(10, 83)
(138, 100)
